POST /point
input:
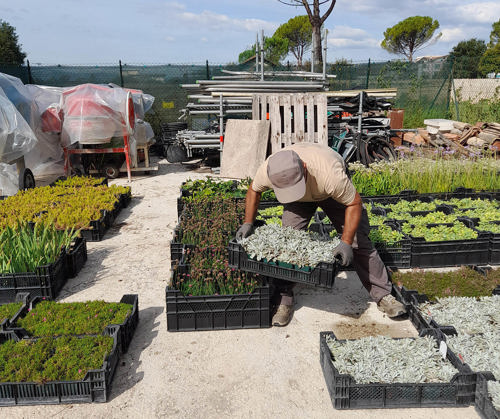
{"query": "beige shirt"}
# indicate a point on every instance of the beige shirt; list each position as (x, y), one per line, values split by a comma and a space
(326, 175)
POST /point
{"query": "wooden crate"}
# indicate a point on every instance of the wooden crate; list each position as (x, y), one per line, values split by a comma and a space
(295, 117)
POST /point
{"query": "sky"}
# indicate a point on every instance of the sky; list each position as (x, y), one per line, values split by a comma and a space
(192, 31)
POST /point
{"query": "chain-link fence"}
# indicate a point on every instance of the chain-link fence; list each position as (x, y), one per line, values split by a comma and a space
(425, 88)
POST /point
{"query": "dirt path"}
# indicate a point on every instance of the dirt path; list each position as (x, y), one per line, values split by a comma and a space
(261, 373)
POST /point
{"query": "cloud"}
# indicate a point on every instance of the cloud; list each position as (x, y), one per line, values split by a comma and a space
(169, 38)
(453, 34)
(173, 5)
(204, 39)
(353, 43)
(349, 37)
(348, 32)
(219, 22)
(482, 12)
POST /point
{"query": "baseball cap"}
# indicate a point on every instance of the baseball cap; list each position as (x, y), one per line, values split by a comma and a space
(286, 172)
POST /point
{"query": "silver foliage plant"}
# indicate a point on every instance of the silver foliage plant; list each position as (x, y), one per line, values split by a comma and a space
(494, 392)
(467, 314)
(285, 244)
(479, 351)
(381, 359)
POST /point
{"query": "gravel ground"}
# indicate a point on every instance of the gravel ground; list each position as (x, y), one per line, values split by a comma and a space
(257, 373)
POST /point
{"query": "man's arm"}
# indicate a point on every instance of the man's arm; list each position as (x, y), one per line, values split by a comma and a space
(252, 201)
(352, 218)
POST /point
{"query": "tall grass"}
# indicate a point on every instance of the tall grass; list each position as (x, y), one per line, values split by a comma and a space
(23, 249)
(485, 110)
(426, 175)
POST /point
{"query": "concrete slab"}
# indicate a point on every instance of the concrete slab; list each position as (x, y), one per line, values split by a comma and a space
(245, 146)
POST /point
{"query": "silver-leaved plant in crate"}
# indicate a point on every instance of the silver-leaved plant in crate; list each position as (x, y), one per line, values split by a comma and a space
(285, 244)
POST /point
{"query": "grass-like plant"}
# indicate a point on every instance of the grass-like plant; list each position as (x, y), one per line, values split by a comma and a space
(48, 359)
(49, 318)
(426, 175)
(209, 222)
(210, 274)
(464, 282)
(23, 249)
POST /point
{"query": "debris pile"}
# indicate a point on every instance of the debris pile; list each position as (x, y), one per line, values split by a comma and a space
(456, 135)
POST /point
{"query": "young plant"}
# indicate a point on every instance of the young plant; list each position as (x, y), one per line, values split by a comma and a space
(23, 249)
(49, 318)
(48, 359)
(464, 282)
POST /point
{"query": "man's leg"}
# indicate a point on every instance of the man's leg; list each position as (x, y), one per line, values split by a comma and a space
(296, 215)
(369, 267)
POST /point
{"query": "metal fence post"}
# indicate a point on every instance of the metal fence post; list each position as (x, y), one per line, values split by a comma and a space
(30, 78)
(121, 74)
(208, 70)
(368, 73)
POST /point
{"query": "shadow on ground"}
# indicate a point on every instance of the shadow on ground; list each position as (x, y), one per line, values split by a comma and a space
(128, 373)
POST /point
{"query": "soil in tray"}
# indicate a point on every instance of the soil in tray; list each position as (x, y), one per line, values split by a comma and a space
(48, 318)
(464, 282)
(8, 310)
(48, 359)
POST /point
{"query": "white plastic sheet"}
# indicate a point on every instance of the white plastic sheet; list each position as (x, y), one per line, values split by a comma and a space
(16, 136)
(94, 114)
(9, 179)
(47, 157)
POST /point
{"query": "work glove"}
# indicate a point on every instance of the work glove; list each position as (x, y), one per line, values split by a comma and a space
(343, 252)
(244, 231)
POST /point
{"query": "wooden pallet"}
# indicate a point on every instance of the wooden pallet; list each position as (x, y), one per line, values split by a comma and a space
(295, 117)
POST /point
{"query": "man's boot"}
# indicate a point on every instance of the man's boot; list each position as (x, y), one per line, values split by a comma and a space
(390, 306)
(284, 313)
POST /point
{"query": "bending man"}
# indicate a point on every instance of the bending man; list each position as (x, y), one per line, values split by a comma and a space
(306, 176)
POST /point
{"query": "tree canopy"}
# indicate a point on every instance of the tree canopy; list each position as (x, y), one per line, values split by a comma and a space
(466, 56)
(410, 35)
(10, 49)
(495, 34)
(313, 9)
(490, 61)
(298, 32)
(275, 49)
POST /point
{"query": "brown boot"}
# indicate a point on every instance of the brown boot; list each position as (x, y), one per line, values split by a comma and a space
(390, 306)
(283, 315)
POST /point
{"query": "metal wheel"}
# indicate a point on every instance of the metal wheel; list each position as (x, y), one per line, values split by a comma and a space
(26, 179)
(111, 171)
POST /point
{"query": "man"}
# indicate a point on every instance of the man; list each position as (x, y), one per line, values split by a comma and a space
(306, 176)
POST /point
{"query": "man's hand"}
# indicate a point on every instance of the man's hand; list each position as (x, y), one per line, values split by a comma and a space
(343, 252)
(244, 231)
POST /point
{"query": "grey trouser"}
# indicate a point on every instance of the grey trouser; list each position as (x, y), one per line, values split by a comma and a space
(367, 263)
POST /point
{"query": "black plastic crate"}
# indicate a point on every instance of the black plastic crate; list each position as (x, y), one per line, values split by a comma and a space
(23, 297)
(177, 249)
(450, 253)
(323, 275)
(418, 319)
(399, 254)
(390, 199)
(345, 393)
(76, 256)
(97, 229)
(483, 404)
(218, 312)
(94, 387)
(46, 281)
(125, 330)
